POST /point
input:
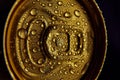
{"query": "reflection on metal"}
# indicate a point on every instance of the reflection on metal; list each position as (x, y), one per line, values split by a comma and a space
(55, 40)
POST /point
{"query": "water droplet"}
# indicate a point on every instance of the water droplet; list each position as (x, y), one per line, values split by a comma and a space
(56, 11)
(54, 40)
(59, 62)
(60, 71)
(66, 54)
(42, 25)
(75, 64)
(26, 69)
(56, 7)
(67, 15)
(66, 72)
(84, 49)
(50, 63)
(43, 5)
(61, 79)
(27, 24)
(38, 0)
(53, 18)
(40, 61)
(33, 2)
(70, 53)
(37, 21)
(41, 70)
(85, 23)
(55, 57)
(75, 31)
(26, 60)
(77, 13)
(22, 33)
(62, 27)
(79, 35)
(33, 32)
(60, 3)
(38, 43)
(24, 51)
(72, 4)
(71, 71)
(83, 20)
(78, 23)
(54, 27)
(49, 4)
(82, 60)
(51, 67)
(33, 12)
(52, 49)
(84, 40)
(34, 50)
(66, 30)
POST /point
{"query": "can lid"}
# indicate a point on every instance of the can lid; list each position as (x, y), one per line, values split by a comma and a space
(56, 40)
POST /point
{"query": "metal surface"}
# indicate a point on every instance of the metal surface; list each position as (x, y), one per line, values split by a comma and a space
(55, 40)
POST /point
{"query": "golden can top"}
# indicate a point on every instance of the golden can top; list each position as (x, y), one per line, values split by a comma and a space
(55, 40)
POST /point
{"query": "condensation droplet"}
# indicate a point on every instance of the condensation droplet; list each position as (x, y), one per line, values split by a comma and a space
(38, 43)
(51, 67)
(26, 69)
(56, 11)
(33, 32)
(75, 64)
(59, 62)
(56, 7)
(67, 14)
(33, 12)
(43, 5)
(37, 21)
(41, 70)
(42, 25)
(55, 57)
(22, 33)
(53, 18)
(52, 49)
(78, 23)
(77, 13)
(82, 60)
(50, 63)
(83, 20)
(34, 50)
(61, 79)
(54, 27)
(38, 0)
(40, 61)
(27, 24)
(79, 35)
(72, 4)
(60, 71)
(85, 23)
(50, 5)
(33, 2)
(26, 60)
(60, 3)
(71, 71)
(65, 72)
(54, 40)
(70, 53)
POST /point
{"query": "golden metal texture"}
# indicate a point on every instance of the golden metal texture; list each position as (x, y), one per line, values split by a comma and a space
(55, 40)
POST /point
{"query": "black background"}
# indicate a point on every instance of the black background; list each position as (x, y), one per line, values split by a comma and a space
(111, 13)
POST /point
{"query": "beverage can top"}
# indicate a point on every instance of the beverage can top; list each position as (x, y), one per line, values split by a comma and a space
(55, 40)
